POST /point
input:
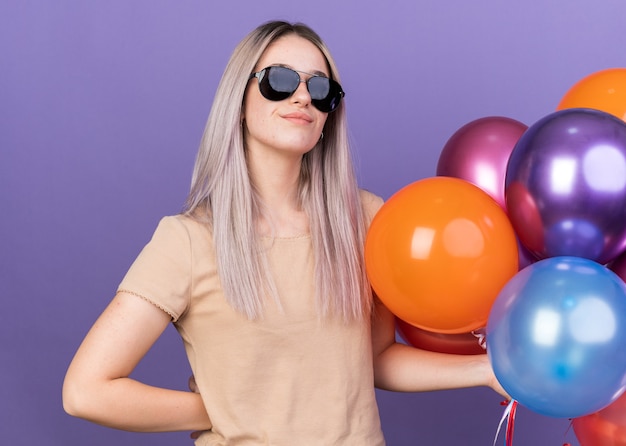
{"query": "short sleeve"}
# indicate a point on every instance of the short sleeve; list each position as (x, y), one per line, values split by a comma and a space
(161, 274)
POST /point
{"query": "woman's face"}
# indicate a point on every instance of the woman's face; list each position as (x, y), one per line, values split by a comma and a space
(292, 126)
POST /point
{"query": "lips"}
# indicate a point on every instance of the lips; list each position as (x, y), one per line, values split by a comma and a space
(298, 117)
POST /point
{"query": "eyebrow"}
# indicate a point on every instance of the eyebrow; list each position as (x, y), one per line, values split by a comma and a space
(314, 72)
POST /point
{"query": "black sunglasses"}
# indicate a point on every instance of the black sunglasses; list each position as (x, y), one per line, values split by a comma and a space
(277, 83)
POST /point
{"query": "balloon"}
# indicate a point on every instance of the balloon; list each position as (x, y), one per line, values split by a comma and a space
(604, 428)
(456, 344)
(479, 151)
(525, 256)
(618, 266)
(565, 186)
(438, 252)
(604, 90)
(556, 336)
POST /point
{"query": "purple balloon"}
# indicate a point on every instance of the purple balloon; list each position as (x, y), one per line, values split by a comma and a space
(618, 266)
(565, 185)
(525, 257)
(479, 151)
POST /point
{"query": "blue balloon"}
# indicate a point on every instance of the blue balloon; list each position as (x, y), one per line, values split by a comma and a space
(556, 337)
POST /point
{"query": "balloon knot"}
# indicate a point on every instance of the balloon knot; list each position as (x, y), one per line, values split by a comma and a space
(480, 334)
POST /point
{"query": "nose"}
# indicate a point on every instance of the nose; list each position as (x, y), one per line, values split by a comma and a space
(301, 95)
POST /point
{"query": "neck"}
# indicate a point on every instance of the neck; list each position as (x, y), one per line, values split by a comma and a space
(275, 178)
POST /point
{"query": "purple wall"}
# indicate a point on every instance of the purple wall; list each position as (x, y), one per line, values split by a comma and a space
(102, 104)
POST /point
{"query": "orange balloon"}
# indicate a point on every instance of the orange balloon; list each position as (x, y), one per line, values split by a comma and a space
(438, 252)
(604, 90)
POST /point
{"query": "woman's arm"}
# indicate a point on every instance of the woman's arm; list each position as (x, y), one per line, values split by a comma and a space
(402, 368)
(97, 386)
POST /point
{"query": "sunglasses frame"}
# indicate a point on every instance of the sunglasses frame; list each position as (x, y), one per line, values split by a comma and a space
(325, 105)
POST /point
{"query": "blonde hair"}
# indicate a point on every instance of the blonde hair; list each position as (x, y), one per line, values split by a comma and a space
(222, 192)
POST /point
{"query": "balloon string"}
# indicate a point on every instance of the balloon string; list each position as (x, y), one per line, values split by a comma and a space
(511, 424)
(571, 421)
(509, 415)
(481, 336)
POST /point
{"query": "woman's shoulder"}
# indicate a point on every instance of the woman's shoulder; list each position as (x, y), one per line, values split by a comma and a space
(190, 225)
(368, 196)
(370, 202)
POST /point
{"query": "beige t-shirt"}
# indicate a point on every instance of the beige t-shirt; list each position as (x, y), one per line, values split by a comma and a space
(286, 379)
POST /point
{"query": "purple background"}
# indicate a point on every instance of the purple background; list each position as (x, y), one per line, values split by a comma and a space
(102, 104)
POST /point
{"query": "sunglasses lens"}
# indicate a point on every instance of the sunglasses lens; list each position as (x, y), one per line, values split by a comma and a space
(319, 87)
(278, 83)
(325, 93)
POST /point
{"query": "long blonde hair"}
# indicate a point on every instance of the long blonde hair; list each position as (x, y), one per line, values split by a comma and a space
(221, 190)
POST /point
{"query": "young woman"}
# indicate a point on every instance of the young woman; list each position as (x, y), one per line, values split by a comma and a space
(263, 277)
